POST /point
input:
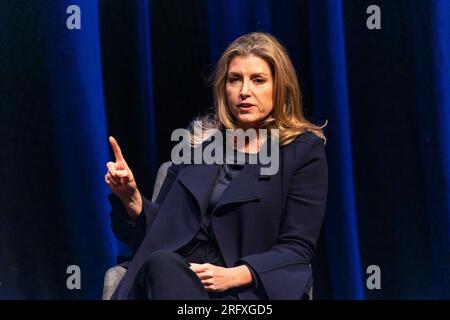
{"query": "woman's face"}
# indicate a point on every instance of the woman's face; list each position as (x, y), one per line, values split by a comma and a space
(249, 90)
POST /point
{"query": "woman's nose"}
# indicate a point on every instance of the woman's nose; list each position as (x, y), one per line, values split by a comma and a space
(245, 92)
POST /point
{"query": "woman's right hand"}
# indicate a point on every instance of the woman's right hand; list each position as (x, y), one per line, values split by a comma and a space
(120, 181)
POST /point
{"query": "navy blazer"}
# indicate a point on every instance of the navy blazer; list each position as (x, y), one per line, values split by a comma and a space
(271, 223)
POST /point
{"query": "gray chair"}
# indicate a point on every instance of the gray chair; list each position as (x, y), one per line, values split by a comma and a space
(116, 273)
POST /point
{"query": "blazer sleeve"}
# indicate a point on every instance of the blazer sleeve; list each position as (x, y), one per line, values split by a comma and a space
(284, 271)
(131, 232)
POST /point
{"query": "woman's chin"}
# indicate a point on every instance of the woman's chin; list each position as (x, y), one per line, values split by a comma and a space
(245, 123)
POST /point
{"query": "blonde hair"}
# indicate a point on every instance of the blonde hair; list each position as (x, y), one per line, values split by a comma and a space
(287, 114)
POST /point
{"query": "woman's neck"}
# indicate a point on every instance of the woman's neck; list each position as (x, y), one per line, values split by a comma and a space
(252, 145)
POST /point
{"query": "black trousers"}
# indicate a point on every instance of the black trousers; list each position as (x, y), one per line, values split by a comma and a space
(166, 275)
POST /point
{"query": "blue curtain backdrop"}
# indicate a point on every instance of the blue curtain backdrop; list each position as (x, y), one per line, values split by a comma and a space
(140, 69)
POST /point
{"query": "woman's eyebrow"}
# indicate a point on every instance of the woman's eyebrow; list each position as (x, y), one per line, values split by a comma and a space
(233, 73)
(259, 74)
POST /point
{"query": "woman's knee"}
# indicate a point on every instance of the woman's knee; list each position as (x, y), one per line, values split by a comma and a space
(164, 260)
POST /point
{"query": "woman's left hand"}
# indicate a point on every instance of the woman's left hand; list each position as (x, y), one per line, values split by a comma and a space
(218, 279)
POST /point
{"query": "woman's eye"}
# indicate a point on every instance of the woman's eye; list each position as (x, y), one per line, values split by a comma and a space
(259, 81)
(233, 80)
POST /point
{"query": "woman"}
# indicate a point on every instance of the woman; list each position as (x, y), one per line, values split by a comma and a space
(225, 231)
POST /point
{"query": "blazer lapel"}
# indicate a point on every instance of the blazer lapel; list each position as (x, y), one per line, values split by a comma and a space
(243, 188)
(199, 179)
(227, 227)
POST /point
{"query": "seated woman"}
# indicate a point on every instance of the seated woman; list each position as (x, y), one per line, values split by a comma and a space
(226, 230)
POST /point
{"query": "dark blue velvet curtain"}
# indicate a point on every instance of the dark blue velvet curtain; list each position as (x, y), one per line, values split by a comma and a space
(139, 69)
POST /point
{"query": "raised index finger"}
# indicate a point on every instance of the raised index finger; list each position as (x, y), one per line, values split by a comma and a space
(116, 149)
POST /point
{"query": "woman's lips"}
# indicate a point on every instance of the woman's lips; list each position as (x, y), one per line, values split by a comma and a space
(245, 107)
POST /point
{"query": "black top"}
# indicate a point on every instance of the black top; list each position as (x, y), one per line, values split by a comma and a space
(203, 248)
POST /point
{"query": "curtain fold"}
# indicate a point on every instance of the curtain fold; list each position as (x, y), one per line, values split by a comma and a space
(432, 73)
(80, 137)
(330, 95)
